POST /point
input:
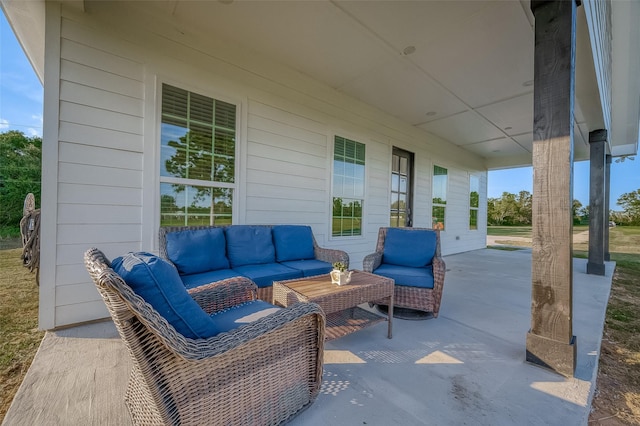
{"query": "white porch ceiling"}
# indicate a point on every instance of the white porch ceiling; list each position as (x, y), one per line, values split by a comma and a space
(462, 70)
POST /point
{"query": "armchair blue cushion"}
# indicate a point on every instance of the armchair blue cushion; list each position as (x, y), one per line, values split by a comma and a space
(158, 283)
(407, 276)
(413, 248)
(197, 250)
(293, 242)
(242, 314)
(249, 245)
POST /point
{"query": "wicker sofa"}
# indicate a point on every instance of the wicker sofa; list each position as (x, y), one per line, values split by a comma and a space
(263, 253)
(260, 366)
(411, 256)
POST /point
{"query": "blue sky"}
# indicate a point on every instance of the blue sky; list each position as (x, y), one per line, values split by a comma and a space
(21, 109)
(20, 89)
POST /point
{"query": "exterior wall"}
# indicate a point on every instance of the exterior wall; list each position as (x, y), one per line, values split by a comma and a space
(104, 158)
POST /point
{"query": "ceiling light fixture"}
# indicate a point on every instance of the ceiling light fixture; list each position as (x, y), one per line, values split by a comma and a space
(409, 50)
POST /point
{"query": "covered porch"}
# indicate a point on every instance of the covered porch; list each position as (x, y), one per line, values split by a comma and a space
(466, 366)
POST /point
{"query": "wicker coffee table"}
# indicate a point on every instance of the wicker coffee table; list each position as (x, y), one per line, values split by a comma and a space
(340, 303)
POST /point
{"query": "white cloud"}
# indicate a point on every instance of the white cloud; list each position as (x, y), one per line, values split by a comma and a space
(33, 132)
(4, 124)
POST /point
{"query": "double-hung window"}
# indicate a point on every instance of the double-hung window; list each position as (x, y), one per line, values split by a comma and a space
(474, 201)
(348, 187)
(197, 159)
(439, 197)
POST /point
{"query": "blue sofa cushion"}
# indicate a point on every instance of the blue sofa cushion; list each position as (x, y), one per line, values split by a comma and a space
(195, 280)
(158, 283)
(197, 250)
(414, 248)
(249, 245)
(265, 274)
(242, 314)
(293, 242)
(407, 276)
(310, 267)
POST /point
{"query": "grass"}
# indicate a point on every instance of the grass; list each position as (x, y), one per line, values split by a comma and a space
(19, 334)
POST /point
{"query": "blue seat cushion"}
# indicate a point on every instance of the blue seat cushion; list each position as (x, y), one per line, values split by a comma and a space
(249, 245)
(407, 275)
(242, 314)
(406, 247)
(265, 274)
(197, 250)
(310, 267)
(293, 242)
(158, 283)
(195, 280)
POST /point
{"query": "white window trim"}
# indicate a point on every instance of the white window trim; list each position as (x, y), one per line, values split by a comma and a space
(477, 209)
(446, 210)
(330, 154)
(151, 150)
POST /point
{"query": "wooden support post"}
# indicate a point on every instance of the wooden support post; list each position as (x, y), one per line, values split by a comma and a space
(550, 341)
(597, 154)
(607, 192)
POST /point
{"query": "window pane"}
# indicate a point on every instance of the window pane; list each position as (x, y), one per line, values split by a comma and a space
(473, 219)
(439, 185)
(347, 217)
(173, 142)
(194, 205)
(474, 191)
(438, 217)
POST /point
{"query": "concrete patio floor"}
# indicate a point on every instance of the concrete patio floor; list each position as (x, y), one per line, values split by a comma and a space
(465, 367)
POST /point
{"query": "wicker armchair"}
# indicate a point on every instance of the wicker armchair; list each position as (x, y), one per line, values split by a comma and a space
(263, 372)
(407, 296)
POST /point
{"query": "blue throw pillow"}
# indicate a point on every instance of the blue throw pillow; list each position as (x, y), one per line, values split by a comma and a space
(249, 245)
(406, 247)
(158, 283)
(293, 242)
(197, 250)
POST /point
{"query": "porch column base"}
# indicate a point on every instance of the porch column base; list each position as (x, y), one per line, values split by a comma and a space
(552, 354)
(595, 268)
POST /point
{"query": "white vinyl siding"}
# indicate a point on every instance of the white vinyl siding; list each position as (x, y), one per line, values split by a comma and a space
(107, 170)
(100, 165)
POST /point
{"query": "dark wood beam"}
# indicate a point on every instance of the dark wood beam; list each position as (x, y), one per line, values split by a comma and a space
(550, 341)
(597, 181)
(607, 201)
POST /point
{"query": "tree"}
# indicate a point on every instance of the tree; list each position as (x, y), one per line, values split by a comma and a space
(576, 208)
(20, 172)
(630, 203)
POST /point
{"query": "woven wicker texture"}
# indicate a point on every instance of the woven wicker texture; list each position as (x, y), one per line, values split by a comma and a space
(336, 300)
(264, 293)
(422, 299)
(262, 373)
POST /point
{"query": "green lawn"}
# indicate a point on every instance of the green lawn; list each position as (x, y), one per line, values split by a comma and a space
(524, 231)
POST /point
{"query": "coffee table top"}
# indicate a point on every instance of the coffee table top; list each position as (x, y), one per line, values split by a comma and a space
(336, 300)
(320, 285)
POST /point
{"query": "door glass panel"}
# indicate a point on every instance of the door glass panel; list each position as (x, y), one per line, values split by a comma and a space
(400, 197)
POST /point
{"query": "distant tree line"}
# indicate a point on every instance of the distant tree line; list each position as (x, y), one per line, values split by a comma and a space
(20, 171)
(516, 210)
